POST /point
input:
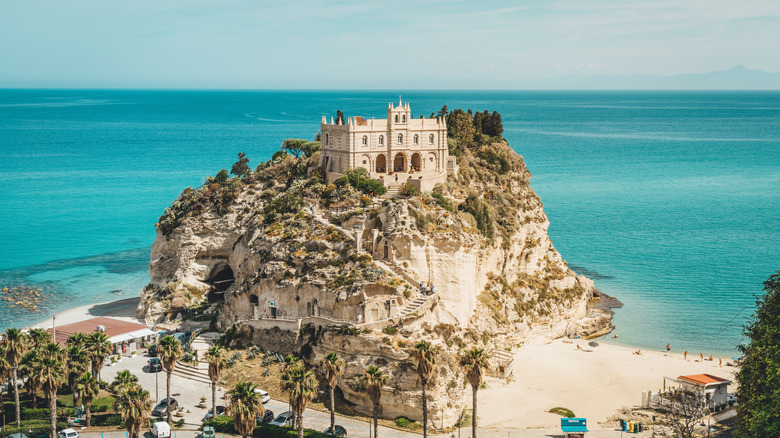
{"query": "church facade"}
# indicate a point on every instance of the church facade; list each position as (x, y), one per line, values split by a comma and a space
(399, 144)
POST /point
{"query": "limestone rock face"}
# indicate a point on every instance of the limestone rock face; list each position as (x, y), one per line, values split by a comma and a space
(310, 280)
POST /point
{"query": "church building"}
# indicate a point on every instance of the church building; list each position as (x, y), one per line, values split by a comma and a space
(396, 149)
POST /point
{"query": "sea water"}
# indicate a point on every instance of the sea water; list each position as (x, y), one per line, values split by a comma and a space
(668, 200)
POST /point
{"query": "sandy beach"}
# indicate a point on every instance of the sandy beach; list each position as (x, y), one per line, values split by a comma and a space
(119, 309)
(594, 382)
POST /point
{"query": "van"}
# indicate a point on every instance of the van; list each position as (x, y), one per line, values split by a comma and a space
(160, 429)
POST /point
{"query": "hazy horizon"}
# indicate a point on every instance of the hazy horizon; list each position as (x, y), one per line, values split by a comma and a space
(434, 44)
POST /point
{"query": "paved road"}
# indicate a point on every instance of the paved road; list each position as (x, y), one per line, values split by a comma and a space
(188, 393)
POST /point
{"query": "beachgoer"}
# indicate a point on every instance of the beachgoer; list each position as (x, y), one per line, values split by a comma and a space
(685, 355)
(638, 352)
(396, 177)
(668, 347)
(578, 347)
(702, 356)
(720, 362)
(710, 359)
(422, 288)
(617, 336)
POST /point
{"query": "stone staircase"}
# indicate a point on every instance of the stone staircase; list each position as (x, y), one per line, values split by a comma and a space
(199, 372)
(415, 304)
(392, 192)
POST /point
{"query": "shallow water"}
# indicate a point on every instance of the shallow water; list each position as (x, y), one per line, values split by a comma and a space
(668, 200)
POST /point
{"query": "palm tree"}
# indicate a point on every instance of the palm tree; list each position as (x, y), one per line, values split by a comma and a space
(474, 363)
(302, 386)
(98, 347)
(424, 355)
(216, 364)
(169, 350)
(133, 405)
(289, 362)
(78, 339)
(30, 370)
(244, 405)
(333, 367)
(76, 360)
(375, 379)
(123, 381)
(39, 337)
(15, 343)
(5, 375)
(87, 389)
(52, 375)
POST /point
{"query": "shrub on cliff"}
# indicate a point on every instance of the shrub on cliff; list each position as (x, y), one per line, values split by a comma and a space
(358, 178)
(759, 386)
(284, 203)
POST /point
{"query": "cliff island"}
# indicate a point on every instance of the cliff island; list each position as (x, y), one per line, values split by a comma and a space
(381, 233)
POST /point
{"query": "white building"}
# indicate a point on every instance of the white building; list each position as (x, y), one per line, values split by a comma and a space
(397, 148)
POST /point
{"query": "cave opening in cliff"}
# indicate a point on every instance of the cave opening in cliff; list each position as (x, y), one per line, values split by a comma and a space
(220, 280)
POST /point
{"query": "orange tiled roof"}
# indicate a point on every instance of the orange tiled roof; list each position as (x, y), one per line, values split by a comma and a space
(113, 327)
(360, 121)
(703, 379)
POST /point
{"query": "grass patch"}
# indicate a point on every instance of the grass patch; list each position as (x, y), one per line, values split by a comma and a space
(563, 412)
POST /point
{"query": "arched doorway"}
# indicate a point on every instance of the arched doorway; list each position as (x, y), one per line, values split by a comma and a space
(399, 162)
(315, 308)
(416, 162)
(431, 163)
(381, 164)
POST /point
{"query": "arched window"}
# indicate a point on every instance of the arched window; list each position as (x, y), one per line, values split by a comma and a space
(416, 139)
(430, 139)
(396, 118)
(365, 140)
(327, 138)
(381, 140)
(400, 138)
(403, 118)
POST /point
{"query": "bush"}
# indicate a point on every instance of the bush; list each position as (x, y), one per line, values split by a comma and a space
(268, 431)
(282, 204)
(221, 424)
(391, 330)
(563, 412)
(442, 201)
(278, 155)
(408, 189)
(358, 178)
(107, 420)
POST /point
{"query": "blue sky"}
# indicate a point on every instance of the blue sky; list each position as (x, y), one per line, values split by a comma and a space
(359, 44)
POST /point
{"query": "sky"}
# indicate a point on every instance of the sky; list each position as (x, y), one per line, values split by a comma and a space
(419, 44)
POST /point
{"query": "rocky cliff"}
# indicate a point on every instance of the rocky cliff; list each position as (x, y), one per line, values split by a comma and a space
(315, 268)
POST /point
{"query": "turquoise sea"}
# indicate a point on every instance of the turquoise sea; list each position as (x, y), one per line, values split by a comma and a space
(670, 201)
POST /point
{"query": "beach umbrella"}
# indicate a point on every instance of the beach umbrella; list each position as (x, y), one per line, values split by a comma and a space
(593, 344)
(736, 358)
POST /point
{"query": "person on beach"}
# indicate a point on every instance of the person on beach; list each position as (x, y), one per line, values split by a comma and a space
(578, 347)
(668, 347)
(685, 355)
(702, 356)
(431, 289)
(720, 362)
(638, 352)
(710, 359)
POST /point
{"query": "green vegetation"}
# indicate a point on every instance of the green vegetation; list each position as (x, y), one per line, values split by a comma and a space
(759, 386)
(358, 178)
(467, 130)
(390, 330)
(296, 147)
(563, 412)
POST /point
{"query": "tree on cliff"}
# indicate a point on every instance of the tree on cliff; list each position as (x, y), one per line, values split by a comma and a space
(424, 355)
(333, 367)
(169, 349)
(474, 363)
(241, 167)
(301, 384)
(216, 365)
(759, 374)
(15, 343)
(375, 380)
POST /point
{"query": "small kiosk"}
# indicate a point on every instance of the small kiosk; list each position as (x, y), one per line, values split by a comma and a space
(574, 427)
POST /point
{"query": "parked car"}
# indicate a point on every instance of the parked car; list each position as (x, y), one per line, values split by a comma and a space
(160, 429)
(284, 419)
(152, 350)
(162, 408)
(155, 365)
(266, 418)
(17, 435)
(67, 433)
(210, 413)
(340, 431)
(264, 397)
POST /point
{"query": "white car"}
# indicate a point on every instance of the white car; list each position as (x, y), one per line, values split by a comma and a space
(67, 433)
(284, 419)
(264, 397)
